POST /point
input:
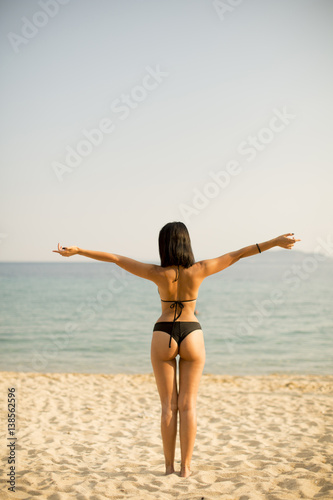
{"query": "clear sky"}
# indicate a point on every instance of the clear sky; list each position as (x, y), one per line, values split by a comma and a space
(210, 113)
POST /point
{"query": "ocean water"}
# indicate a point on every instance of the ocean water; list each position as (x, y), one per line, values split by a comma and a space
(266, 314)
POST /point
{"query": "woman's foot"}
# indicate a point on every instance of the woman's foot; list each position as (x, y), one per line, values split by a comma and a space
(169, 470)
(185, 471)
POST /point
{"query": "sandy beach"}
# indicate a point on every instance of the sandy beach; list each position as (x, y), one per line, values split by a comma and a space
(87, 436)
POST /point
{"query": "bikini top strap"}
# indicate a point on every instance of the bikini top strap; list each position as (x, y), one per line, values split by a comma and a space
(174, 304)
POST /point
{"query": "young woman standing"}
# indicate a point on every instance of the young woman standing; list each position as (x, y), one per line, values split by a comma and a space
(177, 330)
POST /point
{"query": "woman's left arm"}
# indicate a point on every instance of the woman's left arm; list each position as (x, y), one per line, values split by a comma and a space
(147, 271)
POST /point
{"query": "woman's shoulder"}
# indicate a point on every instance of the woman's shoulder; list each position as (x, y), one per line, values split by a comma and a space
(172, 271)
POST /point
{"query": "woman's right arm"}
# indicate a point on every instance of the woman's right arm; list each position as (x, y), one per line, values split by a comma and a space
(150, 272)
(212, 266)
(92, 254)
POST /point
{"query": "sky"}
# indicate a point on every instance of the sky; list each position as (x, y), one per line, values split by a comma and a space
(120, 116)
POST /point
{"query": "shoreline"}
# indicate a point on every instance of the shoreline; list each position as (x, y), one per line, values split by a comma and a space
(300, 381)
(98, 436)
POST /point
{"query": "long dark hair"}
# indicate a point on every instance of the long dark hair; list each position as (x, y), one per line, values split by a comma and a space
(175, 245)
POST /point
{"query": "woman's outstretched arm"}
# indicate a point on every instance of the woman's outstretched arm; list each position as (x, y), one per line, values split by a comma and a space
(148, 271)
(212, 266)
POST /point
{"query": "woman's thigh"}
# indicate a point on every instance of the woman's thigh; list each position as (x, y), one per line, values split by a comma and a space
(191, 364)
(163, 360)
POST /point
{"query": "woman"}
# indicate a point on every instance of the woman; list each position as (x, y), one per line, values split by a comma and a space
(178, 279)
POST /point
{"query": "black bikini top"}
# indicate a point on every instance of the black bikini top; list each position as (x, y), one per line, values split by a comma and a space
(175, 303)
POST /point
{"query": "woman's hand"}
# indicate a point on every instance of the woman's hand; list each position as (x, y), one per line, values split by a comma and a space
(286, 241)
(66, 251)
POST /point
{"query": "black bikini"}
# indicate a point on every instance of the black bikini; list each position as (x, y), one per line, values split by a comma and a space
(181, 329)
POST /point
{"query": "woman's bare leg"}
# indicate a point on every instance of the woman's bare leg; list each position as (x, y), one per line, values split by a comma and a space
(191, 364)
(165, 369)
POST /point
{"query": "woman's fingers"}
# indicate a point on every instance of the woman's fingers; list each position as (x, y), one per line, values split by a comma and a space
(288, 240)
(293, 240)
(61, 250)
(292, 243)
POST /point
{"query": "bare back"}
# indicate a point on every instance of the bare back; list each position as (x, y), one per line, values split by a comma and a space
(184, 289)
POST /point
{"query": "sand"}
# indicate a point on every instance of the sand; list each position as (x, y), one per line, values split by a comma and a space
(87, 436)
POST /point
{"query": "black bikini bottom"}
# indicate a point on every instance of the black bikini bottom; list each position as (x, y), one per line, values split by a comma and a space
(177, 330)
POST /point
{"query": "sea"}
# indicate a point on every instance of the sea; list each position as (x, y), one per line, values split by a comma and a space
(269, 313)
